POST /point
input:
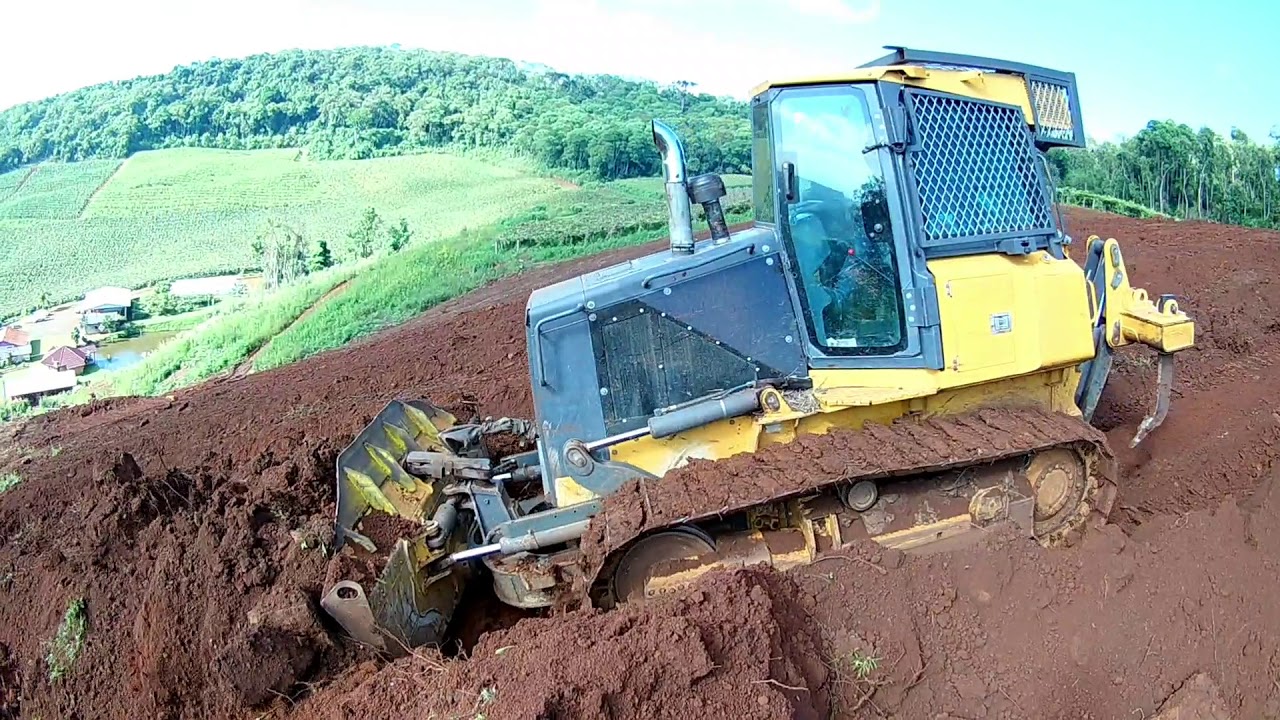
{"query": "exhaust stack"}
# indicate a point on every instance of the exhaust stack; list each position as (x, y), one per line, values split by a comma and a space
(679, 212)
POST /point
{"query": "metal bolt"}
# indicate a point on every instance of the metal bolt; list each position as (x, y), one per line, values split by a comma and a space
(591, 304)
(641, 311)
(666, 291)
(768, 261)
(615, 319)
(604, 391)
(788, 338)
(592, 317)
(764, 248)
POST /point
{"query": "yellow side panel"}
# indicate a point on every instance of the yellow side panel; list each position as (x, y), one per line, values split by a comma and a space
(1008, 315)
(709, 442)
(978, 324)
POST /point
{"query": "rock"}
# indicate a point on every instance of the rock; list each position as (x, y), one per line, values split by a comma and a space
(970, 687)
(1197, 699)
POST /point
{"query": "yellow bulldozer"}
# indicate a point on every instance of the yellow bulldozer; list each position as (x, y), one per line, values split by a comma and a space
(906, 263)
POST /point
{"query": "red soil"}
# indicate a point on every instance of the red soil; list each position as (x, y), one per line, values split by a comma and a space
(191, 527)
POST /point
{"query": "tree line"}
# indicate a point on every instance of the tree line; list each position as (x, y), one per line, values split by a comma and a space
(356, 103)
(1173, 169)
(373, 101)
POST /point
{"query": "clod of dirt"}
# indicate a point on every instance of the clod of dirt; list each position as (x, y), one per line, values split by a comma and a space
(1197, 699)
(676, 657)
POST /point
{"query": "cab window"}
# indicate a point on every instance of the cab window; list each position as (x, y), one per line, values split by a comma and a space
(835, 220)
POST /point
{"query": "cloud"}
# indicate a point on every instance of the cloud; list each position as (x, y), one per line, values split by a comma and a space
(852, 12)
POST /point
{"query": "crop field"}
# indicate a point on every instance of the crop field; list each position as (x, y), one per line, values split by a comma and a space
(54, 191)
(10, 181)
(167, 214)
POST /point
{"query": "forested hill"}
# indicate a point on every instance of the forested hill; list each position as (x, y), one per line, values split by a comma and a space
(365, 102)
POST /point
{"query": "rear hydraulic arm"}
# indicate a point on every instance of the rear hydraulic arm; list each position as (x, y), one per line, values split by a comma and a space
(1124, 315)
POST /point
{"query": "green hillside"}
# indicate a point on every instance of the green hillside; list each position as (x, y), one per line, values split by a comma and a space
(53, 191)
(356, 103)
(183, 212)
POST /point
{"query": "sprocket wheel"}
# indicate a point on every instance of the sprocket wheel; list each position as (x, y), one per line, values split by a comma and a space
(1065, 492)
(637, 562)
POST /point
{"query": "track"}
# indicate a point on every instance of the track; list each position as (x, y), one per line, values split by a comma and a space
(190, 528)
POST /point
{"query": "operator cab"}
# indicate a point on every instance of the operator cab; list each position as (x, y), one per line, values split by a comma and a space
(866, 177)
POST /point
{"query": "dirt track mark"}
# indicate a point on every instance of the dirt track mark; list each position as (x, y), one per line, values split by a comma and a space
(30, 171)
(94, 194)
(246, 367)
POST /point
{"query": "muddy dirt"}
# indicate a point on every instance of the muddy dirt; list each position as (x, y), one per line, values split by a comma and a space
(188, 523)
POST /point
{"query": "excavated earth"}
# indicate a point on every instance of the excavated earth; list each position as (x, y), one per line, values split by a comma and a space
(193, 527)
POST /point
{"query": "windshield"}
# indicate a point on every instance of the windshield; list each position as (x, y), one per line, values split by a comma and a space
(837, 220)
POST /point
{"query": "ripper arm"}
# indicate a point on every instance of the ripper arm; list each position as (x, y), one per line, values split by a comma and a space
(1123, 315)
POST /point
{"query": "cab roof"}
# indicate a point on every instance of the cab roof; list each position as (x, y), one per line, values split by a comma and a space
(907, 64)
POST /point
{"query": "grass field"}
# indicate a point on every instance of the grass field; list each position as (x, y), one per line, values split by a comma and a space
(397, 289)
(178, 213)
(222, 341)
(53, 192)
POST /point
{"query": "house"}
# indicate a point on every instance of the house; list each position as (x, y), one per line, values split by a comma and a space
(105, 300)
(39, 381)
(95, 323)
(71, 359)
(15, 346)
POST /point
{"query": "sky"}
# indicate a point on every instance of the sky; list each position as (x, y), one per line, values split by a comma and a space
(1201, 63)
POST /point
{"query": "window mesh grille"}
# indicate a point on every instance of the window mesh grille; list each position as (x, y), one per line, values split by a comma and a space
(976, 170)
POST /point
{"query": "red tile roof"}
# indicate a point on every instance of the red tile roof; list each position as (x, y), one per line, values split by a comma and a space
(65, 357)
(14, 336)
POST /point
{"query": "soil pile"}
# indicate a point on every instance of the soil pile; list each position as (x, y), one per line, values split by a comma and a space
(191, 526)
(674, 658)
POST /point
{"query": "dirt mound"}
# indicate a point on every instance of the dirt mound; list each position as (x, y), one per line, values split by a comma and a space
(192, 525)
(673, 658)
(1221, 436)
(191, 528)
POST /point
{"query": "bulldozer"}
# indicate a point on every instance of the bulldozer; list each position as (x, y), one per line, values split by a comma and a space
(905, 261)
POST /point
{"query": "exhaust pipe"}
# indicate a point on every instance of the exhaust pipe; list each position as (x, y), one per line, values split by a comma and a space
(679, 212)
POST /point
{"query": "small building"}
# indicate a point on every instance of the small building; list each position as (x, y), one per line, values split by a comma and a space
(96, 323)
(39, 381)
(15, 346)
(219, 286)
(108, 301)
(71, 359)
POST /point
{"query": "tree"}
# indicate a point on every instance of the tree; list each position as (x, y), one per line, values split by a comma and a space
(323, 257)
(162, 301)
(284, 254)
(366, 233)
(398, 235)
(44, 300)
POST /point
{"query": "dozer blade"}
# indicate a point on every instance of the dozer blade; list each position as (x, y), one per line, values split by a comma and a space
(405, 607)
(1164, 388)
